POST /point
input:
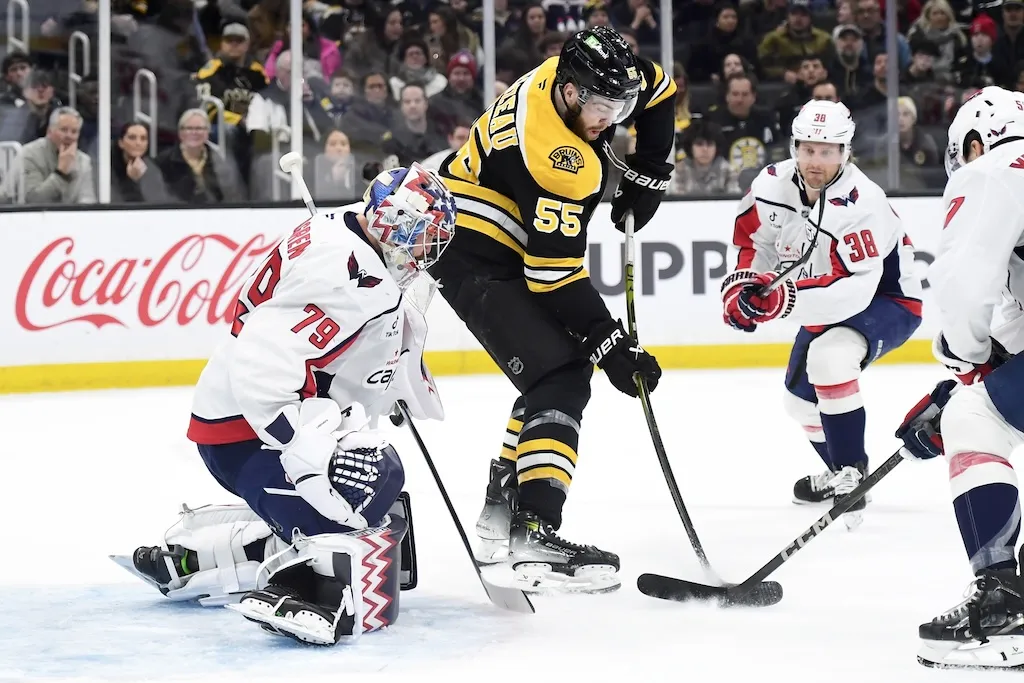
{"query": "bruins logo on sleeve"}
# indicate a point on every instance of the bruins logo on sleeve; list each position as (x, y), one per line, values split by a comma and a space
(567, 158)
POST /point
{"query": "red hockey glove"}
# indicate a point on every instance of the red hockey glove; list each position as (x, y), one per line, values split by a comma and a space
(744, 308)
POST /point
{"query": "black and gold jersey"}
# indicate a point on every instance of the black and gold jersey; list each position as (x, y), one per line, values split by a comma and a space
(231, 83)
(526, 187)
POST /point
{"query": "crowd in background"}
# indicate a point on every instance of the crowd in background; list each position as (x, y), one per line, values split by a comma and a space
(388, 82)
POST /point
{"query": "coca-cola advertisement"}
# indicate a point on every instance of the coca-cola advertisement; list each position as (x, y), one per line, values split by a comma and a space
(102, 286)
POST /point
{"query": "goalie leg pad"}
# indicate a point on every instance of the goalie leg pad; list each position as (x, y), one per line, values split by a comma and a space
(336, 587)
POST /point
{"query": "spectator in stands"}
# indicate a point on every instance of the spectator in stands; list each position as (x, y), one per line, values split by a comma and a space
(194, 172)
(551, 44)
(826, 90)
(343, 92)
(640, 16)
(796, 38)
(527, 38)
(923, 55)
(725, 38)
(936, 24)
(16, 67)
(416, 71)
(414, 136)
(978, 68)
(31, 120)
(848, 68)
(269, 111)
(337, 174)
(369, 118)
(627, 34)
(346, 19)
(917, 147)
(461, 100)
(320, 57)
(169, 48)
(682, 82)
(749, 132)
(875, 94)
(132, 178)
(504, 21)
(1009, 47)
(868, 14)
(456, 139)
(703, 171)
(266, 19)
(596, 14)
(447, 37)
(908, 11)
(761, 17)
(844, 14)
(232, 77)
(377, 50)
(811, 72)
(55, 170)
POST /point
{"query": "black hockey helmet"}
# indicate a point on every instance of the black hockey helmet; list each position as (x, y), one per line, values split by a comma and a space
(599, 62)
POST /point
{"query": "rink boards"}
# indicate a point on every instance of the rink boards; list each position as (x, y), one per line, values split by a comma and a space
(100, 299)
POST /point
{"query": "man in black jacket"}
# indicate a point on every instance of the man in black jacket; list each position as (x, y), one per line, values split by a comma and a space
(751, 133)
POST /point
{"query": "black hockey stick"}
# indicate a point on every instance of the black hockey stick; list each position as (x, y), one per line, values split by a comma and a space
(669, 588)
(505, 597)
(764, 595)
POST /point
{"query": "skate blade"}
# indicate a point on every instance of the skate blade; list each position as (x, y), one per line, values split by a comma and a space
(1000, 652)
(126, 562)
(310, 633)
(539, 578)
(490, 552)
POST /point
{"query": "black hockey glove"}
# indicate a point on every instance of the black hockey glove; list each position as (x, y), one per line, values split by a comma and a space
(621, 357)
(640, 190)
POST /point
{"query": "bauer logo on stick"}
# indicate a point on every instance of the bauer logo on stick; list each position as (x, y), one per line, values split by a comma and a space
(567, 159)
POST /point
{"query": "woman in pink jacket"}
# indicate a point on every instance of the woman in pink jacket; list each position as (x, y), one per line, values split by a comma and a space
(321, 57)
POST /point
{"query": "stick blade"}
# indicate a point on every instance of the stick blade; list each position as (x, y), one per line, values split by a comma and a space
(508, 598)
(764, 594)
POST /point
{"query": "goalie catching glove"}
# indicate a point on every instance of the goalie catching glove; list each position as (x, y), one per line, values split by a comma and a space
(641, 190)
(745, 307)
(920, 432)
(350, 477)
(621, 357)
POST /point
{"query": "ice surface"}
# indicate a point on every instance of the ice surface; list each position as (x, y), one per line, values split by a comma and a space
(89, 474)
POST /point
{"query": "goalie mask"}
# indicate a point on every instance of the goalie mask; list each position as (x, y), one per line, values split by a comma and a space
(412, 215)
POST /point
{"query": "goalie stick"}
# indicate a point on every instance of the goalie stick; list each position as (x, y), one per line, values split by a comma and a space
(505, 597)
(767, 594)
(669, 588)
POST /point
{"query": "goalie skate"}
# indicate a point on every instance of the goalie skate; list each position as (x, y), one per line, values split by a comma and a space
(281, 611)
(985, 631)
(543, 562)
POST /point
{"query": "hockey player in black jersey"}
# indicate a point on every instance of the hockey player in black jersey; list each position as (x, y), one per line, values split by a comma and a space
(526, 185)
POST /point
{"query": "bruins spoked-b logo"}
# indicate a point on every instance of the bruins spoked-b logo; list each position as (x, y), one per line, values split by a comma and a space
(567, 159)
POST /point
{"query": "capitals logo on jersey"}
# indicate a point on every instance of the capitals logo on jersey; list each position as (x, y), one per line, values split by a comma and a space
(357, 273)
(847, 200)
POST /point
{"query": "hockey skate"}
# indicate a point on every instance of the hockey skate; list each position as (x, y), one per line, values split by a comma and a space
(153, 565)
(543, 561)
(828, 486)
(844, 481)
(985, 631)
(499, 504)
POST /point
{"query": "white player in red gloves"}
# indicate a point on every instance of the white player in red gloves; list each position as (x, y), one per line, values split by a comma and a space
(855, 296)
(978, 263)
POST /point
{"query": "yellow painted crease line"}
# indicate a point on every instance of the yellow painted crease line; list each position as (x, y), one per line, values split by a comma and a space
(164, 373)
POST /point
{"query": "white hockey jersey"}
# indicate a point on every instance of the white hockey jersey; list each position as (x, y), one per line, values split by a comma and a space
(321, 316)
(979, 263)
(861, 251)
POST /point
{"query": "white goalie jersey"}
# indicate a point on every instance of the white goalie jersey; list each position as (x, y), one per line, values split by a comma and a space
(861, 250)
(321, 316)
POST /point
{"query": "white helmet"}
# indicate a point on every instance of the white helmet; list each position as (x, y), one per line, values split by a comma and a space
(993, 114)
(824, 121)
